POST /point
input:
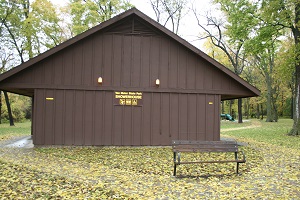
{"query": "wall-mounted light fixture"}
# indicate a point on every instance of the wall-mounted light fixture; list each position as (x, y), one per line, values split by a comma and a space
(100, 80)
(157, 82)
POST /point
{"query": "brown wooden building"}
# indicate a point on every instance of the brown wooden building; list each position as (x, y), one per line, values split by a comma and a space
(101, 87)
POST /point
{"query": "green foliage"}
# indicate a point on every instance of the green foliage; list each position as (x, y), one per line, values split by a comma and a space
(217, 54)
(21, 108)
(240, 19)
(44, 19)
(86, 14)
(29, 28)
(263, 28)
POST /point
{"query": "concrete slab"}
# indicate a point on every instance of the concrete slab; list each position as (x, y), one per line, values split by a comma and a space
(24, 142)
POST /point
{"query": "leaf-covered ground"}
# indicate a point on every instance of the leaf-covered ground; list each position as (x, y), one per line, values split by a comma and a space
(271, 172)
(19, 182)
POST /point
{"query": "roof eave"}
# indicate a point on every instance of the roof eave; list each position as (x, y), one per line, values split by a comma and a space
(112, 21)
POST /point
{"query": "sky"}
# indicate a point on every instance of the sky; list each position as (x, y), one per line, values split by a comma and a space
(188, 29)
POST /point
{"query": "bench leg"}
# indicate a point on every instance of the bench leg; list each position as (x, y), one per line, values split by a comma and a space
(237, 164)
(174, 173)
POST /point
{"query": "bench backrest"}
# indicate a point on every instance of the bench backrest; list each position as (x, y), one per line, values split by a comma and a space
(204, 146)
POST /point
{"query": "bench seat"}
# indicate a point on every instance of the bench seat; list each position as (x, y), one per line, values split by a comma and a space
(189, 146)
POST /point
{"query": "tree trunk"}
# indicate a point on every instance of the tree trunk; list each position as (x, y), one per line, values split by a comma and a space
(247, 107)
(292, 106)
(296, 32)
(282, 104)
(275, 112)
(0, 106)
(11, 120)
(240, 113)
(270, 112)
(230, 109)
(32, 113)
(296, 126)
(222, 107)
(262, 111)
(257, 111)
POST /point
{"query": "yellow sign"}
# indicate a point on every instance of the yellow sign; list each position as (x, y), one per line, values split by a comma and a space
(129, 98)
(128, 102)
(122, 101)
(134, 102)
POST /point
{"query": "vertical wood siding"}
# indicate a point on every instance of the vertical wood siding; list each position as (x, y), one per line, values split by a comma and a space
(184, 106)
(128, 61)
(91, 118)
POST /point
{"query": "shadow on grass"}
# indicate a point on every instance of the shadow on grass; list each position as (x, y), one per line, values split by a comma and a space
(207, 176)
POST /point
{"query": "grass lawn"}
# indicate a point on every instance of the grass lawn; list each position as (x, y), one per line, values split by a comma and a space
(271, 170)
(261, 131)
(20, 129)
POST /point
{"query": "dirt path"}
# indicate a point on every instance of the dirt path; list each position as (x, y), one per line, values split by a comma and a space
(254, 124)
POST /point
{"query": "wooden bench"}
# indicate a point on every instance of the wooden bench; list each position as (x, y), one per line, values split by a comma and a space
(185, 146)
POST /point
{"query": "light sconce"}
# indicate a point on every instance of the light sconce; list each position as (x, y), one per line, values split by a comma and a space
(100, 80)
(157, 82)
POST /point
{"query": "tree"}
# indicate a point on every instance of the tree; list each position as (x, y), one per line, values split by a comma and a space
(169, 11)
(285, 14)
(256, 31)
(11, 121)
(4, 59)
(87, 13)
(30, 28)
(27, 29)
(230, 36)
(263, 48)
(286, 70)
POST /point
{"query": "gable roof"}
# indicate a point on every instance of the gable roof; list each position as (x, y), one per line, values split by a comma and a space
(115, 20)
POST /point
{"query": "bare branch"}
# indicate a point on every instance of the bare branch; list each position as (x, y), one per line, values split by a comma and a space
(14, 42)
(172, 9)
(217, 40)
(155, 7)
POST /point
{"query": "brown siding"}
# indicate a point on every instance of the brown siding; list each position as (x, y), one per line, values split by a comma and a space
(91, 118)
(99, 115)
(58, 117)
(173, 66)
(68, 117)
(37, 122)
(130, 61)
(88, 117)
(146, 129)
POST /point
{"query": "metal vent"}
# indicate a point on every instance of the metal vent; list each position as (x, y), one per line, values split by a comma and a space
(132, 26)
